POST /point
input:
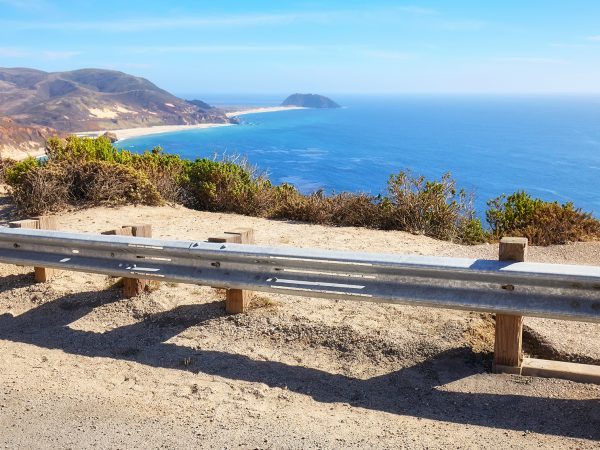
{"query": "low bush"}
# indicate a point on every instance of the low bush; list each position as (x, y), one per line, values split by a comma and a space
(543, 223)
(432, 208)
(225, 186)
(5, 165)
(345, 209)
(163, 171)
(103, 183)
(39, 187)
(13, 170)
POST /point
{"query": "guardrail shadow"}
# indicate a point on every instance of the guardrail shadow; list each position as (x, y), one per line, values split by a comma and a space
(411, 391)
(10, 282)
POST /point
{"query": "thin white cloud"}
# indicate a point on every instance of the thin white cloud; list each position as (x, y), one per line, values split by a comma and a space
(126, 66)
(49, 55)
(359, 50)
(138, 65)
(28, 5)
(462, 25)
(8, 52)
(217, 49)
(563, 45)
(594, 38)
(58, 55)
(531, 60)
(388, 55)
(418, 10)
(154, 23)
(138, 24)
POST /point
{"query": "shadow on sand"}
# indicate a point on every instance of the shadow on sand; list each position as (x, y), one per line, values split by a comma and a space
(410, 391)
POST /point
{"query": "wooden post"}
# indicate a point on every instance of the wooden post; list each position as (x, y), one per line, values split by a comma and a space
(236, 300)
(121, 231)
(508, 356)
(26, 223)
(41, 274)
(133, 287)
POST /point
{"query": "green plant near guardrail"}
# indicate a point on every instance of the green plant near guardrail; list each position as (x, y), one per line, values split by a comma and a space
(543, 223)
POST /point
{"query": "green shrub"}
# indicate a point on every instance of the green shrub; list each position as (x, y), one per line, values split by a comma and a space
(103, 183)
(5, 166)
(432, 208)
(14, 172)
(225, 186)
(75, 148)
(54, 186)
(471, 232)
(543, 223)
(345, 209)
(79, 172)
(414, 205)
(40, 188)
(163, 170)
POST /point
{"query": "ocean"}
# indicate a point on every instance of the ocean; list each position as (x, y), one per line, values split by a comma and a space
(548, 146)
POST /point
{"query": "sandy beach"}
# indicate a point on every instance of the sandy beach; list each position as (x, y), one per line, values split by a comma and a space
(128, 133)
(267, 109)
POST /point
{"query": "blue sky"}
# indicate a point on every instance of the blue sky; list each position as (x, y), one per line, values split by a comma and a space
(332, 47)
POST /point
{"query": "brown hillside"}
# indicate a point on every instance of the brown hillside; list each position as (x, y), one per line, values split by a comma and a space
(95, 99)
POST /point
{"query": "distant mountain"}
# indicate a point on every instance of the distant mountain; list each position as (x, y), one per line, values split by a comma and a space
(95, 99)
(18, 141)
(310, 101)
(202, 105)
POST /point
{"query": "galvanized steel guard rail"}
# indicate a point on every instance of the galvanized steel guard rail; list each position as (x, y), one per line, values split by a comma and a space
(528, 289)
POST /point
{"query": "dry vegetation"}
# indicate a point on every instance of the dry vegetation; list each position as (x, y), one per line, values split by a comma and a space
(84, 172)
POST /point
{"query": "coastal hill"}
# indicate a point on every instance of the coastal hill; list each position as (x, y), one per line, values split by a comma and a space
(95, 99)
(19, 141)
(309, 101)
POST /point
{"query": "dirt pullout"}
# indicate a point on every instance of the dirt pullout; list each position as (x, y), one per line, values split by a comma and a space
(81, 366)
(570, 341)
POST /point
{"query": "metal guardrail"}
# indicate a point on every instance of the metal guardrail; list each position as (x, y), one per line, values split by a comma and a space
(528, 289)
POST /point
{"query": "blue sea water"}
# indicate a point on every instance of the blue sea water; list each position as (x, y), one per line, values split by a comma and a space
(548, 146)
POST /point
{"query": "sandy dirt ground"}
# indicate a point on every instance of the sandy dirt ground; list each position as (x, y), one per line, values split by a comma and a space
(82, 367)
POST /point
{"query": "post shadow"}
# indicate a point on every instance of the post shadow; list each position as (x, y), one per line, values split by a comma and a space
(412, 391)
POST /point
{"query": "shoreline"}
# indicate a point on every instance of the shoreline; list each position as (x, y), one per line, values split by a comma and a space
(266, 109)
(128, 133)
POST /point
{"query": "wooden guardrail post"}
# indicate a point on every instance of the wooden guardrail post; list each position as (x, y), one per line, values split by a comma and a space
(133, 286)
(41, 274)
(236, 300)
(508, 356)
